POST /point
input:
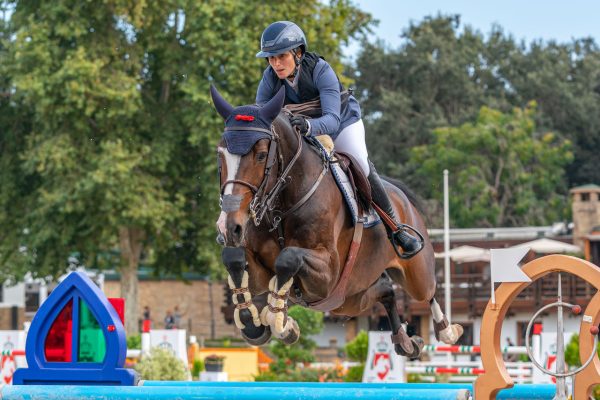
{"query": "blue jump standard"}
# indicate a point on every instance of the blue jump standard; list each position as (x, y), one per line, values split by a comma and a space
(154, 390)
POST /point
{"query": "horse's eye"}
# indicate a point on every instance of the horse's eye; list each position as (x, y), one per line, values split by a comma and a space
(262, 156)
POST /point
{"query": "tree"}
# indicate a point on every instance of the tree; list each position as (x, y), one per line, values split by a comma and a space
(434, 79)
(118, 152)
(357, 350)
(564, 80)
(503, 172)
(443, 73)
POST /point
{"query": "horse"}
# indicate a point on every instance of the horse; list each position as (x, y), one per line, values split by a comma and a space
(289, 237)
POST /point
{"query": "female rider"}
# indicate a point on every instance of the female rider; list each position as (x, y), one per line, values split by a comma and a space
(307, 77)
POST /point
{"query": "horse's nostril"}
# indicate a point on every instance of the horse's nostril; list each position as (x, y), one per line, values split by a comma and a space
(237, 231)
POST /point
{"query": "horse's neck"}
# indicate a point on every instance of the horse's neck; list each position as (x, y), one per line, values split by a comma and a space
(307, 167)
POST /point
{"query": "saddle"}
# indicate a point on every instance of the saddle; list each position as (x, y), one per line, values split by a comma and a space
(359, 183)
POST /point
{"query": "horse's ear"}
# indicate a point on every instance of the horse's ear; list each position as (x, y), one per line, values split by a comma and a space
(222, 106)
(270, 110)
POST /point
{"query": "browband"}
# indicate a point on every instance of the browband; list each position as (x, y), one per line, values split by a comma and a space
(249, 128)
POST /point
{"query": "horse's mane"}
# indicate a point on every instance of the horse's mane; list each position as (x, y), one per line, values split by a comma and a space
(283, 120)
(412, 196)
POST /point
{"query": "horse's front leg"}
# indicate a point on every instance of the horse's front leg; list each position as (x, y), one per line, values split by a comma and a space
(290, 262)
(246, 314)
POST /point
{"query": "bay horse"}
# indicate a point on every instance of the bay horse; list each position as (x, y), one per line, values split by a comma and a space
(289, 235)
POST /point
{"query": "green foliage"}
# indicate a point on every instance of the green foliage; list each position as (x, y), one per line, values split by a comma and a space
(161, 364)
(414, 378)
(134, 341)
(572, 359)
(358, 348)
(289, 375)
(310, 323)
(197, 367)
(503, 172)
(285, 365)
(572, 352)
(299, 374)
(355, 373)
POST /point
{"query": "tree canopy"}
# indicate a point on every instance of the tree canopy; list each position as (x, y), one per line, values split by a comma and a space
(502, 171)
(443, 73)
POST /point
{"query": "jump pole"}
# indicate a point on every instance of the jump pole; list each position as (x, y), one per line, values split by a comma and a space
(222, 392)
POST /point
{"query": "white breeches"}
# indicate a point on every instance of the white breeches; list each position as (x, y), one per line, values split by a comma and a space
(351, 140)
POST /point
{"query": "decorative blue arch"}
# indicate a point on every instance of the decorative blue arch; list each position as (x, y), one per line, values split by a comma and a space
(79, 289)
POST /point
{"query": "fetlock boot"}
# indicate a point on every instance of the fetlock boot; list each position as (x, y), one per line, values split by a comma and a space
(398, 235)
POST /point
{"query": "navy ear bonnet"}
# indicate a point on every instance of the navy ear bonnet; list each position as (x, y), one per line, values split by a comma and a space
(246, 125)
(240, 141)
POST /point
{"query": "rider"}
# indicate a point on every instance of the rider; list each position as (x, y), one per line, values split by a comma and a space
(307, 77)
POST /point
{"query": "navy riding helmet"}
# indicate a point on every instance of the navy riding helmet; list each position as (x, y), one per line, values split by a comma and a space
(279, 37)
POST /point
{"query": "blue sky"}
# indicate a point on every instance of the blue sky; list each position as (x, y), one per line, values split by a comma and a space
(524, 19)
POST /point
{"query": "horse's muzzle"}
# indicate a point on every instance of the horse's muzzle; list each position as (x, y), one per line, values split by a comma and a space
(235, 231)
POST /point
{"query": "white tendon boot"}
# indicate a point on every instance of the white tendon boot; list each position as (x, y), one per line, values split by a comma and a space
(275, 313)
(246, 304)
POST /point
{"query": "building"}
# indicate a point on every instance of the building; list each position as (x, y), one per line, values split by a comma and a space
(585, 201)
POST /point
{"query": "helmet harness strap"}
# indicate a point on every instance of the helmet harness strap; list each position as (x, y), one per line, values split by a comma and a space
(297, 61)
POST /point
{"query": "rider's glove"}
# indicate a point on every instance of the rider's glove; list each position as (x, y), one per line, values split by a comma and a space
(301, 123)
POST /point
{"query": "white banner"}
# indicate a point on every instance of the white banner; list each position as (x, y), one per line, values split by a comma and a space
(9, 341)
(172, 339)
(383, 364)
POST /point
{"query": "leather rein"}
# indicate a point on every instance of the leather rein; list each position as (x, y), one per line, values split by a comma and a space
(264, 201)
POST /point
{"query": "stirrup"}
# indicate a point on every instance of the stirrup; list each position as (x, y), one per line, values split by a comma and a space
(406, 255)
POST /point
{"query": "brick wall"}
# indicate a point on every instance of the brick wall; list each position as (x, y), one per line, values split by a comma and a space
(192, 299)
(586, 211)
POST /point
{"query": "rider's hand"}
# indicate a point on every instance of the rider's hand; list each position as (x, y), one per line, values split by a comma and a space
(301, 123)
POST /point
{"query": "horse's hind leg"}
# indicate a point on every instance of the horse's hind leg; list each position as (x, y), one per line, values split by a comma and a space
(383, 292)
(444, 331)
(246, 314)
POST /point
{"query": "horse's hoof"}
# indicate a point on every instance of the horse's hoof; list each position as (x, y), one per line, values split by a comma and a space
(451, 334)
(293, 335)
(418, 344)
(259, 340)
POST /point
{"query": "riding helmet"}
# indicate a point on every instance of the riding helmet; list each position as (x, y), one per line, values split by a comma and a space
(279, 37)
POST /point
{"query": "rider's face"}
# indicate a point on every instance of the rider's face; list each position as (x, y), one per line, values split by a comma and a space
(283, 64)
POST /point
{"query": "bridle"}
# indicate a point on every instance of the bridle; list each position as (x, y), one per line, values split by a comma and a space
(264, 200)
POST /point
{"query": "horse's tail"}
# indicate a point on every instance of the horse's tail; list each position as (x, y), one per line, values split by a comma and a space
(412, 197)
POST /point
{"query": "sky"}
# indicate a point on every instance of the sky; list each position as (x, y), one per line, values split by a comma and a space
(561, 20)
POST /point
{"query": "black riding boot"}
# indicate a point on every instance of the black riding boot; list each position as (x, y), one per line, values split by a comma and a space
(409, 244)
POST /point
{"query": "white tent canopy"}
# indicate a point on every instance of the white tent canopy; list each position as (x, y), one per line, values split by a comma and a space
(549, 246)
(462, 254)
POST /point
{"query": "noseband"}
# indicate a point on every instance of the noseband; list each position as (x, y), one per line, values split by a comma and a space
(263, 202)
